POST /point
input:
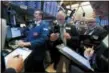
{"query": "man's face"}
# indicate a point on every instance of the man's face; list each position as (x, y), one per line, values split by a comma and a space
(37, 15)
(60, 19)
(91, 24)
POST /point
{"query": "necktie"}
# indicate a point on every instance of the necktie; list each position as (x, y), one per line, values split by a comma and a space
(62, 31)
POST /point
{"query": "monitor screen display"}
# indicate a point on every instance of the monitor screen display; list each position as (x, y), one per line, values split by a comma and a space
(75, 56)
(15, 32)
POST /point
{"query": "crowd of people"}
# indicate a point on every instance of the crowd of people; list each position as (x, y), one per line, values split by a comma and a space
(59, 32)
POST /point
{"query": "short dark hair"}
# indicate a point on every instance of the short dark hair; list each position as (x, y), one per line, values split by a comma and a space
(41, 13)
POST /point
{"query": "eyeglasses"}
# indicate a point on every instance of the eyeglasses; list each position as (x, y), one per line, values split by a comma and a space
(60, 19)
(36, 13)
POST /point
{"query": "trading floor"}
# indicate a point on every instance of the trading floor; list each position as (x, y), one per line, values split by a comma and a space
(54, 36)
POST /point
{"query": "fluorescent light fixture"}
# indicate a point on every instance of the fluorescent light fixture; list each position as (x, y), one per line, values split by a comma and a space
(74, 5)
(68, 12)
(68, 7)
(85, 3)
(23, 7)
(22, 25)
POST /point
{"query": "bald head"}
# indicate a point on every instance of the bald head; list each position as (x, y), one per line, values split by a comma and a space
(62, 14)
(61, 17)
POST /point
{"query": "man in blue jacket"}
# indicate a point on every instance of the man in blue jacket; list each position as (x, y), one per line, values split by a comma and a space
(35, 40)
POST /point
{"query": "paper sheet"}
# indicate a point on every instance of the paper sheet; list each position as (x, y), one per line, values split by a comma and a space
(15, 32)
(19, 51)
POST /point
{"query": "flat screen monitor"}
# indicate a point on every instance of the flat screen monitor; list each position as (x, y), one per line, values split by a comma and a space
(75, 57)
(13, 32)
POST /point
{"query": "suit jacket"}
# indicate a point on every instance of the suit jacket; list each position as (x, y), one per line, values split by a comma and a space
(99, 60)
(38, 42)
(74, 41)
(10, 70)
(96, 36)
(99, 32)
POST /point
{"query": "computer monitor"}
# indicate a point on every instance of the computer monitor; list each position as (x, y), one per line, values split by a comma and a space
(3, 32)
(75, 57)
(13, 32)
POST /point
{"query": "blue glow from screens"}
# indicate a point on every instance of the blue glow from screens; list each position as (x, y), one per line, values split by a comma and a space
(29, 4)
(51, 8)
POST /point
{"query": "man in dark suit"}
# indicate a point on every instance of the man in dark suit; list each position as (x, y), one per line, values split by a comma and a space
(96, 33)
(62, 33)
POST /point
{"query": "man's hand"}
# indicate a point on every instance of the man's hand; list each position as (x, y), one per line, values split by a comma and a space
(54, 36)
(23, 44)
(89, 52)
(15, 63)
(67, 36)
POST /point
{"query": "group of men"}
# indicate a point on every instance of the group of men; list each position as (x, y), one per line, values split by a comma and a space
(60, 32)
(38, 36)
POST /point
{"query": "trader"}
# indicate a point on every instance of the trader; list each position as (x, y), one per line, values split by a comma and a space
(35, 40)
(62, 33)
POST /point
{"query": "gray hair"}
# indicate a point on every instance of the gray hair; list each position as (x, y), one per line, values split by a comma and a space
(61, 13)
